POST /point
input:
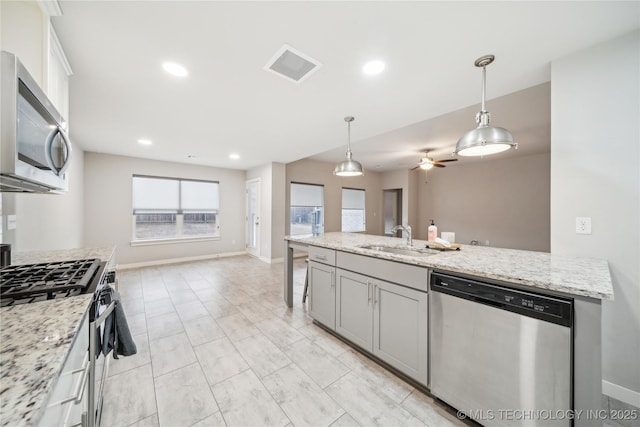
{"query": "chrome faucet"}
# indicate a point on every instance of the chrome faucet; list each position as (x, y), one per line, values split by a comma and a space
(407, 230)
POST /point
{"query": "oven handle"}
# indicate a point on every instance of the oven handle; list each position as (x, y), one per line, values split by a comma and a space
(104, 315)
(93, 330)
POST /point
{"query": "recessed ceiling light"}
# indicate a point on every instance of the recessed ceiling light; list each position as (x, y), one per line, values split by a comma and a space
(175, 69)
(145, 142)
(372, 68)
(234, 156)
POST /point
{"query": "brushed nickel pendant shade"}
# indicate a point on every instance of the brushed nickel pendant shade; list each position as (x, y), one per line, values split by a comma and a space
(484, 139)
(348, 167)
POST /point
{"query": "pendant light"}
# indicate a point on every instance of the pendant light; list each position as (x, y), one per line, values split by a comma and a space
(349, 167)
(484, 139)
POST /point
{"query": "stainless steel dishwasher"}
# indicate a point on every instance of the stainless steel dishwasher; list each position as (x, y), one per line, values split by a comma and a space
(500, 355)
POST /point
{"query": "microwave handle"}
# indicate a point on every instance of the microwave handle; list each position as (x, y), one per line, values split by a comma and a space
(48, 147)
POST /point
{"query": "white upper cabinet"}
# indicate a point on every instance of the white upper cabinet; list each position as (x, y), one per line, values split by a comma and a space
(58, 72)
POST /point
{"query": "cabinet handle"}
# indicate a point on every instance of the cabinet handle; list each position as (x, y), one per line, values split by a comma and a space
(333, 282)
(368, 292)
(80, 385)
(375, 295)
(321, 257)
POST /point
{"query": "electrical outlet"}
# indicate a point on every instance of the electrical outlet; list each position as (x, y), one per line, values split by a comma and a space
(583, 225)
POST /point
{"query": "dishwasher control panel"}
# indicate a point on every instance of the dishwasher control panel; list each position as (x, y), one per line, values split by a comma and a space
(543, 307)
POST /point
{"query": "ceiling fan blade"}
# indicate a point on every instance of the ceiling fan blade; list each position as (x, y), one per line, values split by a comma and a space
(412, 169)
(446, 160)
(439, 166)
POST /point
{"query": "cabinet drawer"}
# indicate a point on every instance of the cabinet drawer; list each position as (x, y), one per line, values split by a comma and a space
(323, 255)
(395, 272)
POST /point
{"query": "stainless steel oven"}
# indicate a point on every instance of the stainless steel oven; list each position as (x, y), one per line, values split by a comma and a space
(35, 149)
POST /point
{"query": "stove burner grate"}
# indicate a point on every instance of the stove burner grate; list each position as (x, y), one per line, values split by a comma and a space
(53, 280)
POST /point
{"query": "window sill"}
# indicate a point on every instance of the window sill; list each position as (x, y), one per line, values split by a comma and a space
(168, 241)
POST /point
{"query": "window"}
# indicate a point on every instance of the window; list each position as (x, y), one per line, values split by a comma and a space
(170, 208)
(307, 209)
(353, 218)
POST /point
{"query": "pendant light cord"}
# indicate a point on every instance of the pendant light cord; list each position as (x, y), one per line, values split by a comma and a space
(484, 86)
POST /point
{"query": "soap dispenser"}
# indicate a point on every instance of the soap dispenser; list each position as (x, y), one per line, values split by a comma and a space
(432, 232)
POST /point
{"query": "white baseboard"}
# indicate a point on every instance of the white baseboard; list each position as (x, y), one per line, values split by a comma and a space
(621, 393)
(272, 260)
(178, 260)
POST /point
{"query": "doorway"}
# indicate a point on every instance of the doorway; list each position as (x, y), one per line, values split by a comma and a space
(392, 208)
(253, 217)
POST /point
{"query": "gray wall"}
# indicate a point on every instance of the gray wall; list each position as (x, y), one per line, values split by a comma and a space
(504, 201)
(595, 172)
(315, 172)
(108, 207)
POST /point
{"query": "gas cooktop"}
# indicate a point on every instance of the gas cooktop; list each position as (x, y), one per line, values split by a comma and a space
(21, 284)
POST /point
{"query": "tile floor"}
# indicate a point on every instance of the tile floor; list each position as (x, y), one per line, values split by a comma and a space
(217, 346)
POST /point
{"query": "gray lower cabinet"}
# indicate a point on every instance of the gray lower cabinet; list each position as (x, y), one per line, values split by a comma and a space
(322, 295)
(386, 319)
(354, 308)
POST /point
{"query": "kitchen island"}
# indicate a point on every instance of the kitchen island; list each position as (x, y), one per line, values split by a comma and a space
(35, 340)
(375, 292)
(572, 276)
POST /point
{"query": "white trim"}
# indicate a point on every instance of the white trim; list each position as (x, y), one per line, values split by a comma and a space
(50, 7)
(56, 49)
(152, 242)
(178, 260)
(270, 260)
(258, 230)
(621, 393)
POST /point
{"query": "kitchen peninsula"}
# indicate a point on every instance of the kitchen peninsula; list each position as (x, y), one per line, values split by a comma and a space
(369, 286)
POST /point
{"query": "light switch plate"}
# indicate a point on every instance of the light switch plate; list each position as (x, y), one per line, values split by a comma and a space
(583, 225)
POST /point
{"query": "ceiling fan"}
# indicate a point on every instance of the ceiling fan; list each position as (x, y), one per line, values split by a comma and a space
(427, 162)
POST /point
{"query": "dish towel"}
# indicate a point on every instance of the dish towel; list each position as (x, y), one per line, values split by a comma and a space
(117, 336)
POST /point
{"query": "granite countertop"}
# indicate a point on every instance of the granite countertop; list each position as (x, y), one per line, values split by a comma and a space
(35, 339)
(104, 253)
(575, 276)
(33, 348)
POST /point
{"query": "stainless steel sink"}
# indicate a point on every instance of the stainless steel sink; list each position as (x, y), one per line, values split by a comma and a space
(401, 251)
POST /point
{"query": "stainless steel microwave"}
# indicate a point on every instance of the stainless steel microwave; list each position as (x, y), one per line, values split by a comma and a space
(35, 151)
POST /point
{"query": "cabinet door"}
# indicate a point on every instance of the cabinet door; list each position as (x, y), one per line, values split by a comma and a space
(322, 296)
(400, 328)
(354, 313)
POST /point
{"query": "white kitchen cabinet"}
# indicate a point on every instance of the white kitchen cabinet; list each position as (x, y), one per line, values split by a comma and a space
(322, 292)
(385, 319)
(58, 72)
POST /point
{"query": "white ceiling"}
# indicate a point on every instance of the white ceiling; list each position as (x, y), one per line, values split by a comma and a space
(426, 98)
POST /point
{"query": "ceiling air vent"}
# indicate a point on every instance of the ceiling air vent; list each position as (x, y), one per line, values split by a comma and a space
(292, 64)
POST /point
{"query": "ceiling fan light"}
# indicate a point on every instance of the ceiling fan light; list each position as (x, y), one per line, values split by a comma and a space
(426, 166)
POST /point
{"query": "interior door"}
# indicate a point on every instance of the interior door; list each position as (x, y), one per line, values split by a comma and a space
(253, 217)
(392, 200)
